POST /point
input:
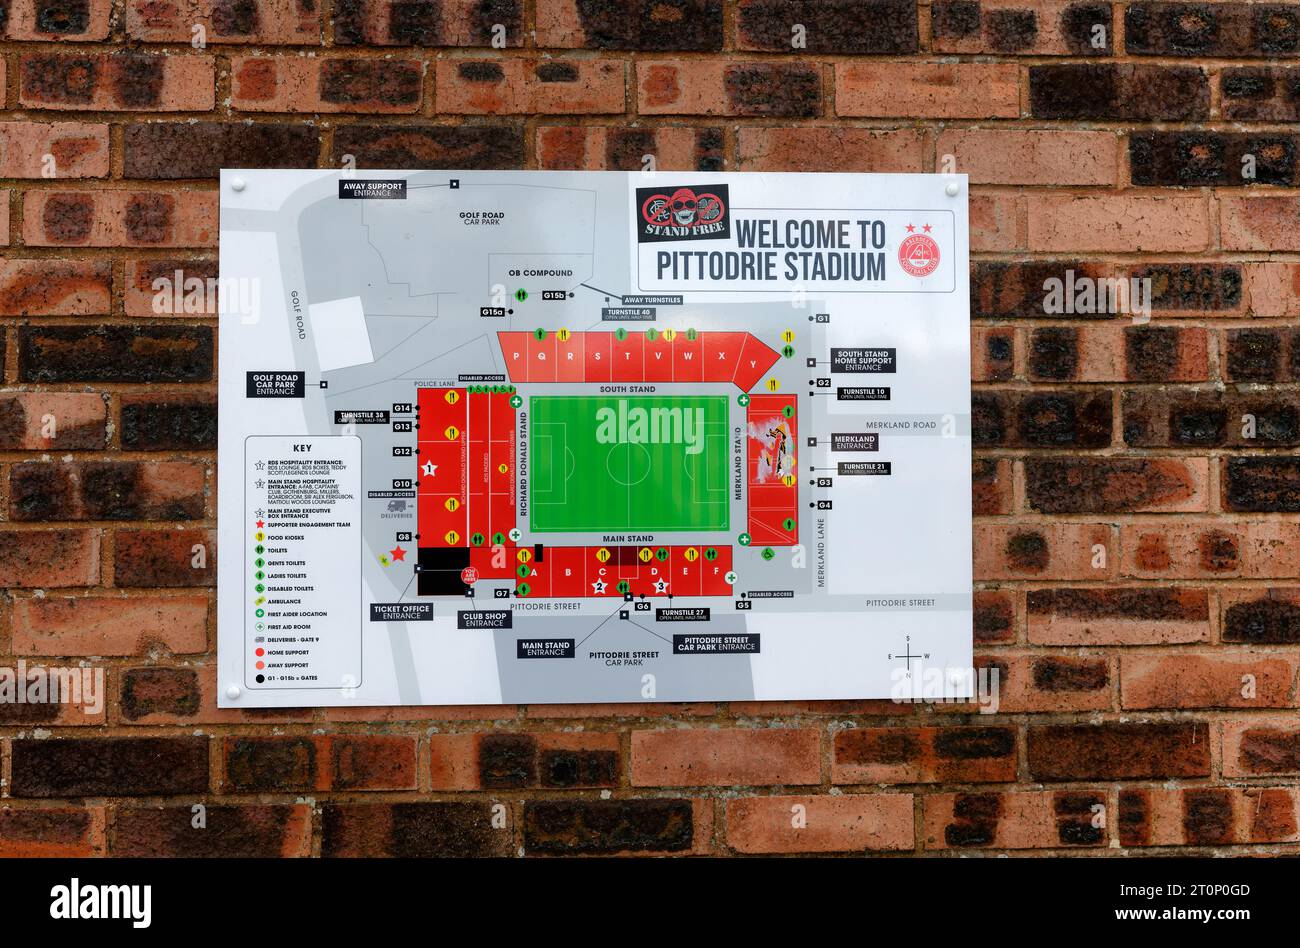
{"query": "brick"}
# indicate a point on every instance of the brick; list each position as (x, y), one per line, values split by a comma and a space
(829, 149)
(1053, 551)
(461, 146)
(1189, 289)
(1255, 355)
(1063, 222)
(32, 559)
(161, 150)
(1219, 549)
(993, 353)
(994, 617)
(1016, 290)
(272, 22)
(1219, 29)
(302, 764)
(64, 832)
(1259, 223)
(1014, 156)
(1261, 617)
(1262, 747)
(258, 831)
(326, 85)
(990, 487)
(412, 830)
(80, 20)
(609, 827)
(81, 353)
(694, 25)
(785, 89)
(109, 767)
(1115, 353)
(107, 490)
(1044, 819)
(1040, 683)
(171, 287)
(1210, 419)
(152, 558)
(168, 423)
(924, 755)
(38, 421)
(501, 761)
(830, 26)
(995, 222)
(1207, 816)
(1116, 485)
(1218, 679)
(1117, 616)
(1023, 27)
(49, 287)
(1260, 94)
(513, 86)
(120, 218)
(449, 23)
(1040, 419)
(1118, 751)
(123, 80)
(53, 149)
(1112, 92)
(874, 822)
(726, 757)
(601, 148)
(929, 90)
(1194, 159)
(159, 691)
(1261, 483)
(109, 625)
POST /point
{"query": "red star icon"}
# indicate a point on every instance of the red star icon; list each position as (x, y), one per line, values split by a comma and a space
(260, 524)
(910, 228)
(397, 553)
(927, 228)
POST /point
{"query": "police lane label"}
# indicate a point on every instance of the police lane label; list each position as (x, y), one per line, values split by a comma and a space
(716, 643)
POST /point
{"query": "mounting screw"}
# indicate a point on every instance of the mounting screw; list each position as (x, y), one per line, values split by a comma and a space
(238, 184)
(952, 188)
(232, 692)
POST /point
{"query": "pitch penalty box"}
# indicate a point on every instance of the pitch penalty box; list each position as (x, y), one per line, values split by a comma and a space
(648, 463)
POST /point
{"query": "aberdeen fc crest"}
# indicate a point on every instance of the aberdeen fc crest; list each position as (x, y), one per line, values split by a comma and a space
(685, 213)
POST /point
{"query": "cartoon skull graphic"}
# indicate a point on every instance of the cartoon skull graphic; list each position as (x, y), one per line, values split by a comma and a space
(684, 206)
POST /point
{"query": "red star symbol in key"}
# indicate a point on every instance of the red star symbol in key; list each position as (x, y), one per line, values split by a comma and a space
(397, 553)
(260, 524)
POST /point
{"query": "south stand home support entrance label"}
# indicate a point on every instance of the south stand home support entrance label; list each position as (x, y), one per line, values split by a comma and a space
(524, 437)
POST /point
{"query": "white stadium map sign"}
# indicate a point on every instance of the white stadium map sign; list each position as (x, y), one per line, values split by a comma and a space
(518, 437)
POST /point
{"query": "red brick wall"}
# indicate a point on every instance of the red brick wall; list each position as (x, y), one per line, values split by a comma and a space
(1136, 556)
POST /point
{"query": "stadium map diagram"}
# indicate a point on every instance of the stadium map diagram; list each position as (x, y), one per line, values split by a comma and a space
(523, 437)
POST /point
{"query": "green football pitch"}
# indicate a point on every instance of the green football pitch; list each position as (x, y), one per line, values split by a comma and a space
(608, 463)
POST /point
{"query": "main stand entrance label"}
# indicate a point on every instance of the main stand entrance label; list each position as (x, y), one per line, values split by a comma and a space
(521, 437)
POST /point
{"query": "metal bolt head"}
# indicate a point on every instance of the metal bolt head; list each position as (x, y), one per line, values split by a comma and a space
(233, 692)
(238, 184)
(952, 188)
